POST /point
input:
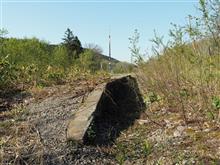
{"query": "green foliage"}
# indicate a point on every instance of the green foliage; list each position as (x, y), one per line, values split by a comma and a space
(23, 51)
(123, 67)
(136, 55)
(28, 62)
(54, 75)
(8, 72)
(60, 57)
(216, 102)
(88, 61)
(184, 92)
(72, 44)
(147, 147)
(24, 61)
(185, 70)
(151, 97)
(210, 115)
(120, 158)
(91, 134)
(3, 32)
(121, 153)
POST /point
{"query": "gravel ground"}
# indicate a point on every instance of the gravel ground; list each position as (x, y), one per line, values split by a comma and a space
(50, 117)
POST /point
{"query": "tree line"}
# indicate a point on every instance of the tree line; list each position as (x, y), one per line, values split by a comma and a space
(31, 61)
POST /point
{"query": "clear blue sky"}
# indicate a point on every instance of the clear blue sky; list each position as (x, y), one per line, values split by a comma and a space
(90, 21)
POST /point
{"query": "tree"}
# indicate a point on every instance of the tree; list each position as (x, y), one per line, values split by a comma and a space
(78, 46)
(136, 56)
(94, 47)
(211, 20)
(73, 45)
(3, 32)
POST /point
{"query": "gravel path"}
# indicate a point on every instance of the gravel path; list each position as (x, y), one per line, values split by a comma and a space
(50, 117)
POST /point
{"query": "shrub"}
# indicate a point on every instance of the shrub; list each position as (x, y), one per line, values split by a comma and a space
(88, 62)
(185, 73)
(8, 73)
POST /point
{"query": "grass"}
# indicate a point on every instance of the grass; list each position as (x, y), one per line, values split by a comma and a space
(20, 142)
(21, 146)
(181, 87)
(150, 143)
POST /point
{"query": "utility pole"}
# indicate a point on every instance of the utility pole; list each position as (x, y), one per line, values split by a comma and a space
(109, 53)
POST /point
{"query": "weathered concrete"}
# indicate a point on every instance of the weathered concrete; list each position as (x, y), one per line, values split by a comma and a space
(83, 117)
(118, 100)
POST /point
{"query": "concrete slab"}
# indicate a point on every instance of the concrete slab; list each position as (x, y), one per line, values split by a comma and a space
(102, 103)
(83, 117)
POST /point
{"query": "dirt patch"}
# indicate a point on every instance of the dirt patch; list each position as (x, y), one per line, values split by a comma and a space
(12, 97)
(50, 117)
(40, 127)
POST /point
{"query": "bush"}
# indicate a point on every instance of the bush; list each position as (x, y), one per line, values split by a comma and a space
(8, 73)
(54, 76)
(26, 61)
(186, 74)
(88, 62)
(123, 67)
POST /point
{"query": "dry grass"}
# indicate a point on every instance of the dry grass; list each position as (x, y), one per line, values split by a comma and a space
(181, 84)
(20, 141)
(171, 142)
(182, 93)
(192, 88)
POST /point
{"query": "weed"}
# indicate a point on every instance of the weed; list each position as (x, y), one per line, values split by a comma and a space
(147, 147)
(120, 158)
(216, 102)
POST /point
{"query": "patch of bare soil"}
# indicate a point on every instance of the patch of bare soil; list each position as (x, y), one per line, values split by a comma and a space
(34, 131)
(50, 117)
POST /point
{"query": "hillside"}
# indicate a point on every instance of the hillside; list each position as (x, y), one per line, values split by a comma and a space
(35, 62)
(36, 129)
(62, 104)
(99, 55)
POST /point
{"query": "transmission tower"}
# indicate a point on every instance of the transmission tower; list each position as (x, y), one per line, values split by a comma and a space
(109, 53)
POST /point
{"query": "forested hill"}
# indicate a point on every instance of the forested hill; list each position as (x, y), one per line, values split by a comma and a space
(51, 47)
(33, 61)
(99, 55)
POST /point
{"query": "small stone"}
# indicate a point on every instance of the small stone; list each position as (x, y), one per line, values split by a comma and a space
(184, 162)
(168, 123)
(207, 130)
(179, 131)
(181, 128)
(141, 122)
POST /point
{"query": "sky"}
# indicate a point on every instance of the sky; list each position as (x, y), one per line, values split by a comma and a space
(93, 20)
